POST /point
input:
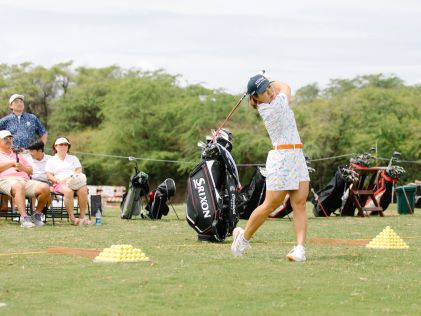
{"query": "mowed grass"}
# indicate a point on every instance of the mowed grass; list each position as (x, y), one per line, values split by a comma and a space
(186, 277)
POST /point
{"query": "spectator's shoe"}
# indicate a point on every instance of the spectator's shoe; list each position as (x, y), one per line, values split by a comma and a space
(84, 221)
(26, 222)
(297, 254)
(37, 219)
(239, 245)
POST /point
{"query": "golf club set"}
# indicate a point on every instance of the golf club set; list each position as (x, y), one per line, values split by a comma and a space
(332, 198)
(212, 189)
(155, 201)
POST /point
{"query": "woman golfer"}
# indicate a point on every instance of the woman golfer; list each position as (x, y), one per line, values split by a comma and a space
(285, 165)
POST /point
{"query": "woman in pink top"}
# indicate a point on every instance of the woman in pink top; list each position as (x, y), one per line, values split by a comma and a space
(285, 165)
(60, 169)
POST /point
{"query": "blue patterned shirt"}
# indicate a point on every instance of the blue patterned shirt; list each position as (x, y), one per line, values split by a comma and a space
(23, 129)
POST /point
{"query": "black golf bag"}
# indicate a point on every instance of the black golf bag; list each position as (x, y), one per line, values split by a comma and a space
(212, 190)
(252, 194)
(138, 188)
(157, 205)
(329, 199)
(334, 195)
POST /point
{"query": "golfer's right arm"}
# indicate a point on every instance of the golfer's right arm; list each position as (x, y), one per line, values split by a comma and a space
(282, 87)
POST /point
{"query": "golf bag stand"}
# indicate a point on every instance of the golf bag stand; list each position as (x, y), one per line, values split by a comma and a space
(157, 205)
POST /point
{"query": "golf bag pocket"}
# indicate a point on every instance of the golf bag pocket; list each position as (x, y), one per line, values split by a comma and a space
(201, 203)
(157, 205)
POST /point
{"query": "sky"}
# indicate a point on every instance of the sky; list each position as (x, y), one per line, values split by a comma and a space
(220, 43)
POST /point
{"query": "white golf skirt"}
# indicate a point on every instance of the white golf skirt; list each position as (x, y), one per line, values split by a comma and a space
(285, 168)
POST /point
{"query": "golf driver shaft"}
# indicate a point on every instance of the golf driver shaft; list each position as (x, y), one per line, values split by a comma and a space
(229, 115)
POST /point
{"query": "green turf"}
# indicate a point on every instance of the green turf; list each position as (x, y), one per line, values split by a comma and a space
(186, 277)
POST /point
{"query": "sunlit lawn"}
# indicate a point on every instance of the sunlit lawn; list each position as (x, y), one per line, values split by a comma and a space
(185, 277)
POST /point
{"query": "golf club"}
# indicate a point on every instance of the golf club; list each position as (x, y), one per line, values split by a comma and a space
(262, 72)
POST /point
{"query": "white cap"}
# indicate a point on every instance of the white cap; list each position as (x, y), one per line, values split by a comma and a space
(61, 140)
(76, 181)
(16, 96)
(4, 134)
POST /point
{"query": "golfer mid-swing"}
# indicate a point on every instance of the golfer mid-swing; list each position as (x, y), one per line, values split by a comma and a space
(285, 165)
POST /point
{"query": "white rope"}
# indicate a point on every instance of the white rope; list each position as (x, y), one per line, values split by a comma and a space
(332, 157)
(238, 165)
(195, 162)
(401, 161)
(136, 158)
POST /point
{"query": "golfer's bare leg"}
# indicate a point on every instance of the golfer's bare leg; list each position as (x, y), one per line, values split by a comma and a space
(273, 199)
(298, 202)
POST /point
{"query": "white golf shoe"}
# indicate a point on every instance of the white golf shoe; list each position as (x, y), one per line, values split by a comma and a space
(239, 245)
(297, 254)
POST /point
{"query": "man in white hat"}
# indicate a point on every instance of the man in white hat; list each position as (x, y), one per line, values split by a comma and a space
(15, 182)
(25, 127)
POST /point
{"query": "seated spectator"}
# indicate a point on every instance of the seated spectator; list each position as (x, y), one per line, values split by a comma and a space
(38, 159)
(15, 182)
(60, 168)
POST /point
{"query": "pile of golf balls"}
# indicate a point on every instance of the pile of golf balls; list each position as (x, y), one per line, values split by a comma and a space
(121, 253)
(387, 239)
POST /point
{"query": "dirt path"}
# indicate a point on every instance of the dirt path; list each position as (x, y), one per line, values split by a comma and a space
(333, 241)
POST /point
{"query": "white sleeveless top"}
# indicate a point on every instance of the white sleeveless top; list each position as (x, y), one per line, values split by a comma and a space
(279, 121)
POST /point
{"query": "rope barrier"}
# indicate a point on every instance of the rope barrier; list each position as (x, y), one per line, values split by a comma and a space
(238, 165)
(332, 157)
(135, 158)
(402, 161)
